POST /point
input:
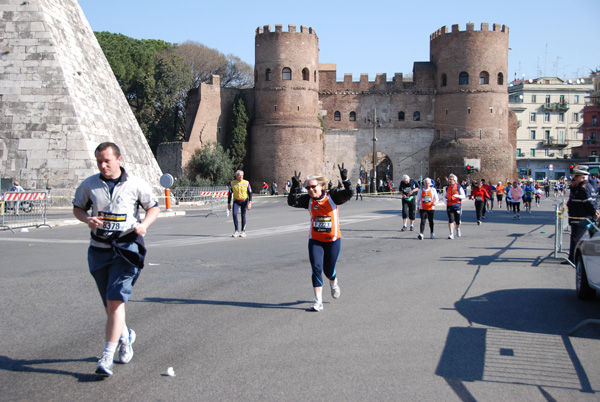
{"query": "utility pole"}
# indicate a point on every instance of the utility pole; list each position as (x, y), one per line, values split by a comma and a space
(375, 123)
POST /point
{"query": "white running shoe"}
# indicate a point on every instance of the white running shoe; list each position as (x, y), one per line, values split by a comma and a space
(126, 348)
(105, 365)
(432, 236)
(420, 236)
(243, 234)
(458, 232)
(335, 290)
(451, 236)
(317, 305)
(236, 234)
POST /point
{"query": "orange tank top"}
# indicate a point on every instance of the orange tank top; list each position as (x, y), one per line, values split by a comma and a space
(427, 198)
(324, 220)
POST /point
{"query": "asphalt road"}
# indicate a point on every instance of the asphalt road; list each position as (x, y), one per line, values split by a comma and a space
(483, 317)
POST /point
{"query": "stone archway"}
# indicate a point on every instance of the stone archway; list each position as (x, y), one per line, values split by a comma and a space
(385, 168)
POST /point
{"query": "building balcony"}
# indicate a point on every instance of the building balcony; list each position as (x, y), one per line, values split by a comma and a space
(560, 107)
(553, 143)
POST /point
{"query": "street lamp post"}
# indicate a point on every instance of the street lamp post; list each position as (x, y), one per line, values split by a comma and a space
(375, 123)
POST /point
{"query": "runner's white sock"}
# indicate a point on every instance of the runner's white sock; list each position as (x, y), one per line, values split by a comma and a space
(110, 348)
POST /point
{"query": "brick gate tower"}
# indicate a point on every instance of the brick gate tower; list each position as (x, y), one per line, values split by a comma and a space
(471, 103)
(286, 134)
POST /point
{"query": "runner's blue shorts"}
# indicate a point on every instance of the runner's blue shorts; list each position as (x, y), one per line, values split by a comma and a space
(114, 276)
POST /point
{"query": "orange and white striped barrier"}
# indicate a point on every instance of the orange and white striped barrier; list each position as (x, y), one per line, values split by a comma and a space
(215, 193)
(25, 196)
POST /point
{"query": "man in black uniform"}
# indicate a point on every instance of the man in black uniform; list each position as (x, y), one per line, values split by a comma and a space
(408, 191)
(582, 204)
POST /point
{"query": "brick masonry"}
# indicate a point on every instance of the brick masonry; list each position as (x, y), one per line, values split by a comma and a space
(426, 126)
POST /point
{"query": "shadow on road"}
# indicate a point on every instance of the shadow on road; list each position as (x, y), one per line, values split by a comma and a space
(289, 305)
(35, 366)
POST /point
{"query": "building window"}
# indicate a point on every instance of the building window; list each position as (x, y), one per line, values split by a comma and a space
(444, 80)
(547, 117)
(286, 74)
(561, 117)
(352, 116)
(533, 99)
(268, 75)
(337, 116)
(547, 135)
(400, 116)
(532, 117)
(446, 111)
(417, 116)
(315, 73)
(484, 78)
(594, 153)
(576, 117)
(519, 154)
(561, 136)
(576, 98)
(532, 153)
(500, 79)
(546, 152)
(547, 99)
(463, 78)
(305, 74)
(594, 121)
(532, 135)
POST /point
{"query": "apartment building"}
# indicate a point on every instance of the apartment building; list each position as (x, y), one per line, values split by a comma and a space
(550, 116)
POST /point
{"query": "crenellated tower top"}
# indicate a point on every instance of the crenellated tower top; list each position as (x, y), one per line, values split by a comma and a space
(266, 29)
(485, 27)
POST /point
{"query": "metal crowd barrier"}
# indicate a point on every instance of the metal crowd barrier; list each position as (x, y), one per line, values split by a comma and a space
(218, 203)
(24, 209)
(196, 194)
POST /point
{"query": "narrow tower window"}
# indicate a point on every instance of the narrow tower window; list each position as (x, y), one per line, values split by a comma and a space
(401, 116)
(500, 79)
(484, 78)
(286, 74)
(305, 74)
(337, 116)
(268, 75)
(315, 76)
(352, 116)
(463, 78)
(444, 80)
(417, 116)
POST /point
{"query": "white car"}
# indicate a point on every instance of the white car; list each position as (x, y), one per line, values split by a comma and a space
(587, 264)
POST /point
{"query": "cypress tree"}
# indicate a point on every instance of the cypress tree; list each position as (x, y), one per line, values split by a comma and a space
(239, 131)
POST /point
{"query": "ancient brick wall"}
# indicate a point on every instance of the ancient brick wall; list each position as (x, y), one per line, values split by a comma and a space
(286, 105)
(471, 114)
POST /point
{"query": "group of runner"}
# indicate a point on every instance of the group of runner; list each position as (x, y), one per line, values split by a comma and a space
(108, 203)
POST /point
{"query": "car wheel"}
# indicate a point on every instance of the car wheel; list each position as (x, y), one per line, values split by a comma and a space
(583, 289)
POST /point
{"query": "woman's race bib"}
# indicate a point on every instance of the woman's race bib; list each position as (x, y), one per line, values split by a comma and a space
(322, 224)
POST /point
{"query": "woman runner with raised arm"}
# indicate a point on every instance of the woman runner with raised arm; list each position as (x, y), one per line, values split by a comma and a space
(324, 243)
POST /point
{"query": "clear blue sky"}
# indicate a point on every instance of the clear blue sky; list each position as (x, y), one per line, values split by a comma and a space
(547, 37)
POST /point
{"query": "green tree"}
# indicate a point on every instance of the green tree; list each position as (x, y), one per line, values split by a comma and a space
(211, 165)
(164, 121)
(237, 138)
(133, 61)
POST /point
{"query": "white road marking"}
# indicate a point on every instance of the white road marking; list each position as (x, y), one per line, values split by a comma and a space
(188, 241)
